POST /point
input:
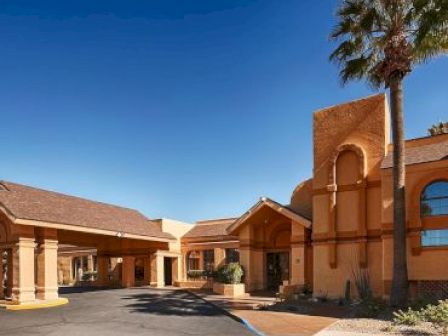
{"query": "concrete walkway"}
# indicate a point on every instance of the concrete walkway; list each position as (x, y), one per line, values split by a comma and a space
(275, 323)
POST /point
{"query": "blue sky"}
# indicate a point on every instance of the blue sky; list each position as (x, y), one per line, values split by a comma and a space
(181, 109)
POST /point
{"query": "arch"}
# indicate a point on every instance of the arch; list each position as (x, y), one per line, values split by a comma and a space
(280, 235)
(193, 260)
(343, 148)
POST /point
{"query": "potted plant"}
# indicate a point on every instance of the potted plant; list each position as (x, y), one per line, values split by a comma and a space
(228, 280)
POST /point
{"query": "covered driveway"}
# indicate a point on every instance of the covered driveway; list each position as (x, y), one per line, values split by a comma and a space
(34, 221)
(124, 312)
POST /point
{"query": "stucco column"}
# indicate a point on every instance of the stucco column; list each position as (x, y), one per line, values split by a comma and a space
(23, 290)
(220, 257)
(2, 289)
(157, 270)
(9, 275)
(246, 265)
(298, 263)
(128, 272)
(147, 270)
(90, 267)
(103, 270)
(201, 260)
(47, 270)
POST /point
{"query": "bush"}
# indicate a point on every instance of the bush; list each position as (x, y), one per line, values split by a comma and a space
(408, 318)
(371, 307)
(437, 315)
(230, 274)
(196, 274)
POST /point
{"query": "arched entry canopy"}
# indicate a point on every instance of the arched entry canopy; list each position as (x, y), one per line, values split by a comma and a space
(33, 221)
(275, 246)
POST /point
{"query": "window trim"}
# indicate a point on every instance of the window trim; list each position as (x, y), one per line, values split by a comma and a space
(421, 200)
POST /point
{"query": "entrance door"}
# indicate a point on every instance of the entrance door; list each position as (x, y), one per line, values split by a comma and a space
(168, 270)
(277, 268)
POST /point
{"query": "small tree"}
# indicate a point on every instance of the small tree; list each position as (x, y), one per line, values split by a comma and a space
(437, 129)
(230, 274)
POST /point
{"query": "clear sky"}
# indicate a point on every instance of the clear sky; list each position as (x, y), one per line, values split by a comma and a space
(182, 109)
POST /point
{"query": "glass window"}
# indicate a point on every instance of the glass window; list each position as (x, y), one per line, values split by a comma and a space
(232, 255)
(193, 261)
(209, 260)
(434, 199)
(435, 238)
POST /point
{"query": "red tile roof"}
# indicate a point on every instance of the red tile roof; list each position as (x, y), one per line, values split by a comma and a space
(30, 203)
(210, 228)
(420, 154)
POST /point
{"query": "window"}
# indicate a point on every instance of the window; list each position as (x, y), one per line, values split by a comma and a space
(434, 199)
(209, 260)
(232, 255)
(435, 238)
(193, 261)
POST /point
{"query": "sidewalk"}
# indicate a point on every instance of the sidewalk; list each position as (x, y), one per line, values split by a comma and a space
(273, 323)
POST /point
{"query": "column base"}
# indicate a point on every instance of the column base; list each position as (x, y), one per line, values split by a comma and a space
(47, 293)
(23, 295)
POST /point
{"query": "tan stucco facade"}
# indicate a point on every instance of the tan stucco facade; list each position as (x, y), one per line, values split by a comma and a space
(337, 223)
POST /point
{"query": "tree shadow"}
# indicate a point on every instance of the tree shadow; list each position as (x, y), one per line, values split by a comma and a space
(179, 303)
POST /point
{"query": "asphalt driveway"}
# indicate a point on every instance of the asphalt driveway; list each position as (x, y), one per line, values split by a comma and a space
(122, 312)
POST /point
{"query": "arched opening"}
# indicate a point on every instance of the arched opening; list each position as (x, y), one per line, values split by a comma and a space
(434, 202)
(347, 200)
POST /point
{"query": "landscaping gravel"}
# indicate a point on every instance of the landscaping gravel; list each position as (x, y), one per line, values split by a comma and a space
(380, 327)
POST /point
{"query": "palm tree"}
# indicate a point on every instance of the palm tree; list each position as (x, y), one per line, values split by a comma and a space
(381, 41)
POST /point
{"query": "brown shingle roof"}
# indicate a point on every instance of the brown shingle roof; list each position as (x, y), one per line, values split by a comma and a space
(421, 154)
(30, 203)
(210, 228)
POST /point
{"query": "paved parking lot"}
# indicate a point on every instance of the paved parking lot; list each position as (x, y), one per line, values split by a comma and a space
(122, 312)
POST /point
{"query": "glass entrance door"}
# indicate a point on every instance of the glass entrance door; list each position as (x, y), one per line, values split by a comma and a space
(277, 268)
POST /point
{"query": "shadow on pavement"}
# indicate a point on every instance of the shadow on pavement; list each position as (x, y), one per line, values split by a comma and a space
(177, 302)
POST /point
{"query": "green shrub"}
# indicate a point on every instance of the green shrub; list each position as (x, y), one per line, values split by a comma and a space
(437, 315)
(196, 274)
(371, 307)
(230, 273)
(408, 318)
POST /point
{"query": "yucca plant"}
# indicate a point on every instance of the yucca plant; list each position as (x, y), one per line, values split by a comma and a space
(381, 41)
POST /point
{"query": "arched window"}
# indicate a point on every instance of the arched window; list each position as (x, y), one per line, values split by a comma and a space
(434, 202)
(434, 199)
(193, 261)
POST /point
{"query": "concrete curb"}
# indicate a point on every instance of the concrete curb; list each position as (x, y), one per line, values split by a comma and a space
(37, 305)
(246, 323)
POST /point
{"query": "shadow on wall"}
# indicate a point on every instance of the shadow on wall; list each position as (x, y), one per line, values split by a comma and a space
(177, 303)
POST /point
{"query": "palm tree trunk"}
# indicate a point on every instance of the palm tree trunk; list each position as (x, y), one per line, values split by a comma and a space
(399, 290)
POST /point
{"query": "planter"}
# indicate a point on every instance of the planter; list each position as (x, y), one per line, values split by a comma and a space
(230, 290)
(202, 284)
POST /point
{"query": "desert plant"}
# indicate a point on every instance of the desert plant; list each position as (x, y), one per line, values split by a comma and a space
(409, 317)
(230, 273)
(437, 315)
(382, 41)
(361, 279)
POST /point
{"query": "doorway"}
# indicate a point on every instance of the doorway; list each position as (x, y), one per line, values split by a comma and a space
(168, 271)
(277, 268)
